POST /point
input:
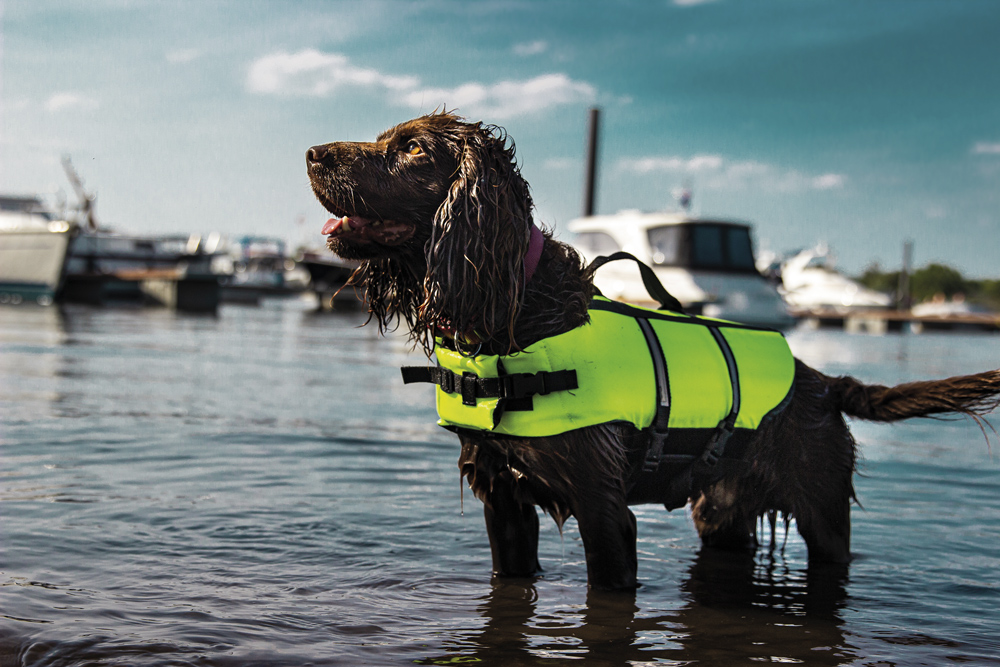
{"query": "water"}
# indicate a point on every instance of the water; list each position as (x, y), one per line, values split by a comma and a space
(259, 488)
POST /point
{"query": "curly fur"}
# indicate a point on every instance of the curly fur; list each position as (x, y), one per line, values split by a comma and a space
(438, 211)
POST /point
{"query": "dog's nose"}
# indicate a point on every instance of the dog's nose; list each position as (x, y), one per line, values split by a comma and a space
(316, 154)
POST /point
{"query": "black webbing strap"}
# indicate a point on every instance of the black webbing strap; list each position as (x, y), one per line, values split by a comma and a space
(716, 445)
(512, 386)
(659, 427)
(652, 284)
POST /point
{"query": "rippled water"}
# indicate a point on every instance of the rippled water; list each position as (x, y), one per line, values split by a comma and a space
(259, 488)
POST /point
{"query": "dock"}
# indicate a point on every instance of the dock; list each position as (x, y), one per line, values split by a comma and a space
(886, 321)
(170, 287)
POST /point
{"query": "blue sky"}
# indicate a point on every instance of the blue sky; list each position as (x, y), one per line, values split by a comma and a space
(860, 123)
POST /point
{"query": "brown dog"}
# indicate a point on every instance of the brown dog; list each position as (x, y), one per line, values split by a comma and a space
(438, 213)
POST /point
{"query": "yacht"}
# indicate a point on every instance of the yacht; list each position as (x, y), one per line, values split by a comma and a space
(707, 264)
(33, 246)
(810, 282)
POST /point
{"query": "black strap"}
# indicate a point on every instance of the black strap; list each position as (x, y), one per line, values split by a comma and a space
(659, 427)
(512, 386)
(652, 284)
(716, 445)
(661, 316)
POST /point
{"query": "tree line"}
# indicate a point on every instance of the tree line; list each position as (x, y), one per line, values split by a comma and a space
(932, 280)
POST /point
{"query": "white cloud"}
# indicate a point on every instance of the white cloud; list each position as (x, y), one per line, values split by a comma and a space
(828, 181)
(561, 164)
(506, 98)
(183, 56)
(986, 148)
(314, 73)
(716, 171)
(69, 101)
(646, 165)
(531, 48)
(935, 212)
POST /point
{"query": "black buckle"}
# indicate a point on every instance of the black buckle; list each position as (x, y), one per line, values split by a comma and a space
(710, 458)
(520, 385)
(469, 386)
(717, 443)
(446, 379)
(655, 452)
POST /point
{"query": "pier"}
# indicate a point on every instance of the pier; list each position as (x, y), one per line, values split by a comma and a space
(173, 288)
(886, 321)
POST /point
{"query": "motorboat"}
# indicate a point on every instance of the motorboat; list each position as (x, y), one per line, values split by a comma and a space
(810, 282)
(33, 247)
(328, 277)
(107, 266)
(707, 264)
(255, 267)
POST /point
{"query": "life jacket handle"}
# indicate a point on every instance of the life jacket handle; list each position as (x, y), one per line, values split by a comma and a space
(652, 284)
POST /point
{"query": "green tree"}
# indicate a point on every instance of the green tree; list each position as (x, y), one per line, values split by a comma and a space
(937, 279)
(874, 278)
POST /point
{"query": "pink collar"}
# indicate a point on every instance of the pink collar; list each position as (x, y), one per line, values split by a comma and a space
(534, 253)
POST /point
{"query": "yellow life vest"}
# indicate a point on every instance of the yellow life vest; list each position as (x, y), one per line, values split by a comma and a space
(627, 363)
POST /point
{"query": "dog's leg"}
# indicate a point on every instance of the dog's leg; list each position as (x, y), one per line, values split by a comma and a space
(512, 527)
(609, 532)
(826, 530)
(823, 477)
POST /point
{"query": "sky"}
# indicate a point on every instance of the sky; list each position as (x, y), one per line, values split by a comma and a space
(861, 124)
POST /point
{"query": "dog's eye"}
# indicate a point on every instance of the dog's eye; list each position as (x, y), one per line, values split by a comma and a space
(413, 148)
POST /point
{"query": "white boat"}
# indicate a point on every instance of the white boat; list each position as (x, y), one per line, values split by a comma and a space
(810, 282)
(708, 265)
(941, 306)
(33, 246)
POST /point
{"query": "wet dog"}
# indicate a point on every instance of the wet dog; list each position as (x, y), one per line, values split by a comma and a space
(441, 219)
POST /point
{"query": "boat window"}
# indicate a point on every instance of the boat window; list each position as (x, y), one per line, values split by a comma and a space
(740, 249)
(722, 247)
(706, 247)
(666, 245)
(596, 243)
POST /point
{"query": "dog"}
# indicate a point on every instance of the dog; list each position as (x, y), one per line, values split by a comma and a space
(439, 216)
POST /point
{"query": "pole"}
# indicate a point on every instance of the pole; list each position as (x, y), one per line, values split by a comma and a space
(590, 188)
(904, 300)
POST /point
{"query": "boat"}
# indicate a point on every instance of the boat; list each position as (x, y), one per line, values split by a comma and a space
(33, 247)
(256, 267)
(105, 266)
(810, 282)
(707, 264)
(328, 276)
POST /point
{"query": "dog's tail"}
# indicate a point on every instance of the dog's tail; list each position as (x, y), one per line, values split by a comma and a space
(972, 395)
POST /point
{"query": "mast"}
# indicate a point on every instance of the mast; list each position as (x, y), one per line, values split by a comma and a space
(87, 200)
(590, 187)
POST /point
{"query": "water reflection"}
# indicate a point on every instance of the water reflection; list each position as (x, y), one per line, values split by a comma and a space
(737, 607)
(742, 607)
(31, 340)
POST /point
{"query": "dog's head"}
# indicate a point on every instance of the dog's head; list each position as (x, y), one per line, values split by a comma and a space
(438, 210)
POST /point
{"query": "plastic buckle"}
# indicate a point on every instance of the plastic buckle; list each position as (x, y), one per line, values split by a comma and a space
(713, 451)
(444, 378)
(655, 452)
(710, 458)
(469, 385)
(522, 385)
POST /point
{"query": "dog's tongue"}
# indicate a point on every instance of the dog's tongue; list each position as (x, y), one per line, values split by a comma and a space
(364, 230)
(333, 225)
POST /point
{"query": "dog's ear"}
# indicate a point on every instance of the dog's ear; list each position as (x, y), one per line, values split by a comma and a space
(480, 236)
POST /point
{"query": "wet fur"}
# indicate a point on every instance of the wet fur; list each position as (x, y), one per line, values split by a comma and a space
(468, 212)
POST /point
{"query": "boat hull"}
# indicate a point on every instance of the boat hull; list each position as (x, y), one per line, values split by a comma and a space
(32, 264)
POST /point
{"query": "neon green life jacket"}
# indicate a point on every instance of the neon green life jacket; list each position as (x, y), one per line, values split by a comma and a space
(705, 372)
